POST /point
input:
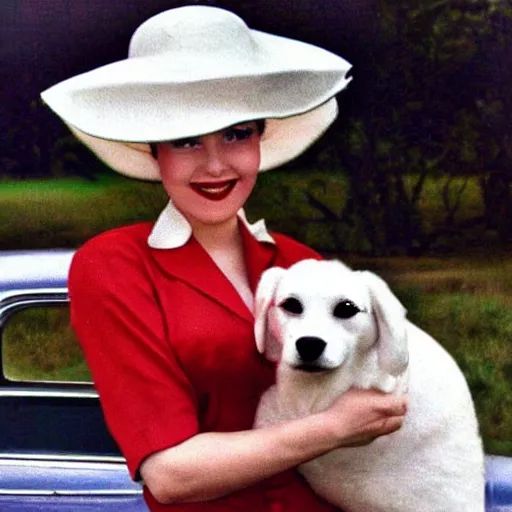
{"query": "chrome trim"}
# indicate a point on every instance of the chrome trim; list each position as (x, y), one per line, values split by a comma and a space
(45, 460)
(21, 292)
(52, 393)
(17, 299)
(41, 293)
(58, 462)
(65, 492)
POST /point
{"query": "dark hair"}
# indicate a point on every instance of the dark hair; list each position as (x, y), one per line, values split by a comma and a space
(260, 126)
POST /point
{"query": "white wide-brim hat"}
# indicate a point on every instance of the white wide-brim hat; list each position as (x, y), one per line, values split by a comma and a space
(195, 70)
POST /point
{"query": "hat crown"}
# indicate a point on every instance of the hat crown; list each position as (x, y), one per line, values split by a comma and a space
(194, 33)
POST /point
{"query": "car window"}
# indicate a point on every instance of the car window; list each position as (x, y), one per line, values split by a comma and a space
(38, 344)
(58, 415)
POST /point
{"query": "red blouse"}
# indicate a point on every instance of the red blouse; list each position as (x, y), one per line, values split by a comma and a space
(171, 349)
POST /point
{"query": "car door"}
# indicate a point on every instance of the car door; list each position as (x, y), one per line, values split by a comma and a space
(55, 450)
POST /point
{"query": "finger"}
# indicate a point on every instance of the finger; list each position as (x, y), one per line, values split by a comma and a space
(394, 406)
(384, 427)
(390, 425)
(401, 406)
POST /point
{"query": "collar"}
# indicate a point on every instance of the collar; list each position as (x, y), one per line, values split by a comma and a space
(172, 229)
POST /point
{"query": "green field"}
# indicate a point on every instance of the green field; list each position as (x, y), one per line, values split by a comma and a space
(465, 300)
(66, 212)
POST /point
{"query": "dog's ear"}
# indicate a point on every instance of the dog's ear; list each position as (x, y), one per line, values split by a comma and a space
(265, 342)
(392, 325)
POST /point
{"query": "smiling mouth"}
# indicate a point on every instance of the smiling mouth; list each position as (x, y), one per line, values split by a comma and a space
(215, 191)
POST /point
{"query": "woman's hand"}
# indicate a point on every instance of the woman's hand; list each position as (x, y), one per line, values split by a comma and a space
(360, 416)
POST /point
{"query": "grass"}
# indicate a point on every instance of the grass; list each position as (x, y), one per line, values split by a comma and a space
(486, 275)
(477, 331)
(464, 301)
(65, 213)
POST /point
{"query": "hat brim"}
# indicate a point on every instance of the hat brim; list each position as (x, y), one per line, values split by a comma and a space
(282, 141)
(118, 108)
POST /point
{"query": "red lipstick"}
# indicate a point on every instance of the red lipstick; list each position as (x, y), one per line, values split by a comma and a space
(214, 191)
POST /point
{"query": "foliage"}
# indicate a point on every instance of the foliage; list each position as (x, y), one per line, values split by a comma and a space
(36, 145)
(38, 344)
(289, 202)
(429, 109)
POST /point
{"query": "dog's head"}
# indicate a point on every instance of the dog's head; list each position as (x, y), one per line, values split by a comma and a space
(316, 315)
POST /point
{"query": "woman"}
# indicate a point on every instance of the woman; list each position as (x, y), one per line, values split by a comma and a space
(163, 311)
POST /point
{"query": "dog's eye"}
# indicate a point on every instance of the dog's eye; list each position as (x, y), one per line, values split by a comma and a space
(345, 309)
(292, 306)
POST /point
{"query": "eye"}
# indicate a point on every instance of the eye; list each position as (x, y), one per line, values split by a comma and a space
(188, 143)
(345, 309)
(292, 306)
(238, 133)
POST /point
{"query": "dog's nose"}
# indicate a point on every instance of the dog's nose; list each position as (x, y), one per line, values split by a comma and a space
(310, 348)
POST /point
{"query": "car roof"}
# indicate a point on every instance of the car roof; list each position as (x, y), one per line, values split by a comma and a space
(41, 268)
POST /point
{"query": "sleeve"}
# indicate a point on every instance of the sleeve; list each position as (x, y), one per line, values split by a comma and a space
(148, 402)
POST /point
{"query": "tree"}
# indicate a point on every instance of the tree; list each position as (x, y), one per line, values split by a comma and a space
(426, 113)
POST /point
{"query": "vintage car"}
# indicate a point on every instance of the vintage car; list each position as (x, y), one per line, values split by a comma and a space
(55, 450)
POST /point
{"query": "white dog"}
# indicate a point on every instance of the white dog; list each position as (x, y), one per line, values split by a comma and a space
(332, 328)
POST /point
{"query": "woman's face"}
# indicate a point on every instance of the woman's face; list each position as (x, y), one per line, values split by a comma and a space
(210, 177)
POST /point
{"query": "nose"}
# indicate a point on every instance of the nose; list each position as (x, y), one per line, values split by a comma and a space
(310, 348)
(216, 163)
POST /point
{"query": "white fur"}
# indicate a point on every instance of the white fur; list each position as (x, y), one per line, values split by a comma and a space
(435, 462)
